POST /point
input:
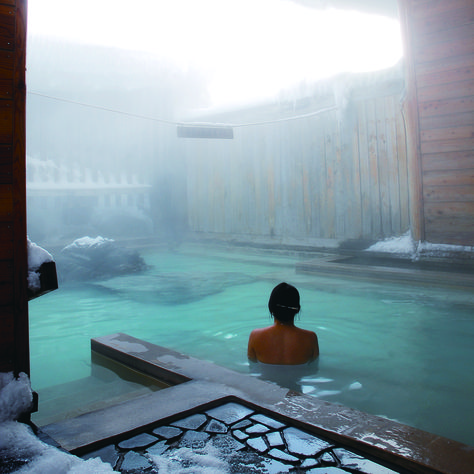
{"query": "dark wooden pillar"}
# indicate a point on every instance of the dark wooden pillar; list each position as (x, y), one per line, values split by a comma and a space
(14, 344)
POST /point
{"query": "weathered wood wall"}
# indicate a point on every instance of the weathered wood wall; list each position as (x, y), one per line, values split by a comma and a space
(440, 37)
(14, 347)
(338, 174)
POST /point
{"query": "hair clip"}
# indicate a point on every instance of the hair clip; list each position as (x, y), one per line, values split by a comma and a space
(288, 307)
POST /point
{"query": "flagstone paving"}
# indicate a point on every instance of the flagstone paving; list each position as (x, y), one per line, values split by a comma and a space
(233, 438)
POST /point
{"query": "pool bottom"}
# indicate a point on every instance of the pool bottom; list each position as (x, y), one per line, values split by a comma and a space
(398, 447)
(109, 383)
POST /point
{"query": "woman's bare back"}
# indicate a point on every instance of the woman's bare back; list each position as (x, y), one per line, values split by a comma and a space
(283, 344)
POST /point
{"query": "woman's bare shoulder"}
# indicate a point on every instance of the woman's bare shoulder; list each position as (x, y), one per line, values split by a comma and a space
(307, 332)
(259, 331)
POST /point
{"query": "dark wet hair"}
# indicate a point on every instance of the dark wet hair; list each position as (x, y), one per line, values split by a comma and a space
(284, 302)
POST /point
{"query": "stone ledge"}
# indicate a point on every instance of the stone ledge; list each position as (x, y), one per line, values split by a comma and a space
(210, 385)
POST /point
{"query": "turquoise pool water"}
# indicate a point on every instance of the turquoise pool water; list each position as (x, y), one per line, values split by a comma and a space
(403, 352)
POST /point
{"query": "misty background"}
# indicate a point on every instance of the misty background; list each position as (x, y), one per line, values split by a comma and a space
(94, 122)
(103, 157)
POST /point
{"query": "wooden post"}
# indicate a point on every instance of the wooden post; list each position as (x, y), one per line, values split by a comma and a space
(22, 348)
(410, 108)
(14, 344)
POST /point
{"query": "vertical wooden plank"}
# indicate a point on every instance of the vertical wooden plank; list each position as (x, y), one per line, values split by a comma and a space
(383, 168)
(364, 168)
(392, 159)
(248, 152)
(289, 178)
(224, 170)
(399, 147)
(279, 192)
(199, 155)
(191, 185)
(295, 157)
(227, 176)
(374, 184)
(227, 161)
(212, 157)
(315, 146)
(194, 171)
(330, 157)
(252, 179)
(322, 177)
(297, 152)
(412, 126)
(236, 181)
(206, 188)
(213, 161)
(340, 183)
(268, 217)
(283, 181)
(220, 168)
(403, 172)
(347, 200)
(306, 177)
(207, 176)
(356, 188)
(293, 212)
(242, 198)
(270, 182)
(260, 191)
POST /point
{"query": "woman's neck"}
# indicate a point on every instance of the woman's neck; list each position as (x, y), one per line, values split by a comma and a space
(283, 323)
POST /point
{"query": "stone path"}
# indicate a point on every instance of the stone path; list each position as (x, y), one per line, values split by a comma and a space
(232, 439)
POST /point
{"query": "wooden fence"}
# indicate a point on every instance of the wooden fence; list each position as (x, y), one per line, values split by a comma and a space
(339, 171)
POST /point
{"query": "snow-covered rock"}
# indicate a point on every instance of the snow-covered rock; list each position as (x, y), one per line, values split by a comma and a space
(37, 256)
(92, 258)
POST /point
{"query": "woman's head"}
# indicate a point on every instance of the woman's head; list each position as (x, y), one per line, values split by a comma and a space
(284, 302)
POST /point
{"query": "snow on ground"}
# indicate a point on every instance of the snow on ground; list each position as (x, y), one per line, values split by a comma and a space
(435, 249)
(20, 447)
(405, 245)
